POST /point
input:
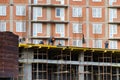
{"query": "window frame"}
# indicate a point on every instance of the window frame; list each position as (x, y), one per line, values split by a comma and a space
(2, 28)
(77, 12)
(77, 28)
(95, 28)
(37, 14)
(112, 30)
(61, 41)
(97, 0)
(3, 10)
(61, 28)
(20, 9)
(113, 44)
(97, 43)
(78, 42)
(57, 12)
(97, 12)
(21, 27)
(35, 1)
(37, 28)
(77, 0)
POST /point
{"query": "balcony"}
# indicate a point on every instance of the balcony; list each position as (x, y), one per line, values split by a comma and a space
(49, 5)
(114, 6)
(114, 22)
(114, 38)
(47, 37)
(49, 21)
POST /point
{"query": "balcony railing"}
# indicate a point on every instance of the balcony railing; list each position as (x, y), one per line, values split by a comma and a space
(114, 6)
(49, 21)
(49, 5)
(114, 38)
(114, 22)
(47, 37)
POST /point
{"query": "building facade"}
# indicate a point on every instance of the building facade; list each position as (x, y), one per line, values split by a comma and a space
(69, 21)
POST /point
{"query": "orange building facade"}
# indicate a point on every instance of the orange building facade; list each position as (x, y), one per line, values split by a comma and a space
(68, 21)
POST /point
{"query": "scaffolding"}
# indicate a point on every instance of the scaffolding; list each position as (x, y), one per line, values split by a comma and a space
(44, 62)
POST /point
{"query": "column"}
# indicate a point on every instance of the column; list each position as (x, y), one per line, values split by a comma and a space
(87, 23)
(27, 54)
(48, 24)
(117, 73)
(81, 67)
(29, 22)
(11, 15)
(27, 71)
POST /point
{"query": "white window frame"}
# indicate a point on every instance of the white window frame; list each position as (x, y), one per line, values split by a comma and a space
(97, 28)
(77, 0)
(96, 12)
(111, 2)
(77, 43)
(20, 26)
(35, 1)
(96, 0)
(36, 41)
(2, 26)
(37, 28)
(37, 12)
(21, 10)
(112, 30)
(77, 28)
(61, 12)
(61, 1)
(2, 10)
(60, 29)
(112, 14)
(97, 43)
(62, 42)
(76, 12)
(113, 44)
(57, 12)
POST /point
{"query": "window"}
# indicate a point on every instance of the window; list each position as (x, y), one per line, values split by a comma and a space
(60, 29)
(61, 41)
(112, 30)
(20, 26)
(77, 0)
(97, 43)
(96, 0)
(20, 10)
(2, 10)
(97, 12)
(77, 12)
(37, 28)
(61, 1)
(35, 1)
(112, 14)
(97, 28)
(37, 12)
(36, 41)
(77, 28)
(2, 26)
(113, 44)
(77, 43)
(59, 12)
(112, 1)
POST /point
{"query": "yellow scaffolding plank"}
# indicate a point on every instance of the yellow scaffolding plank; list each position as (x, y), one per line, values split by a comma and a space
(72, 48)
